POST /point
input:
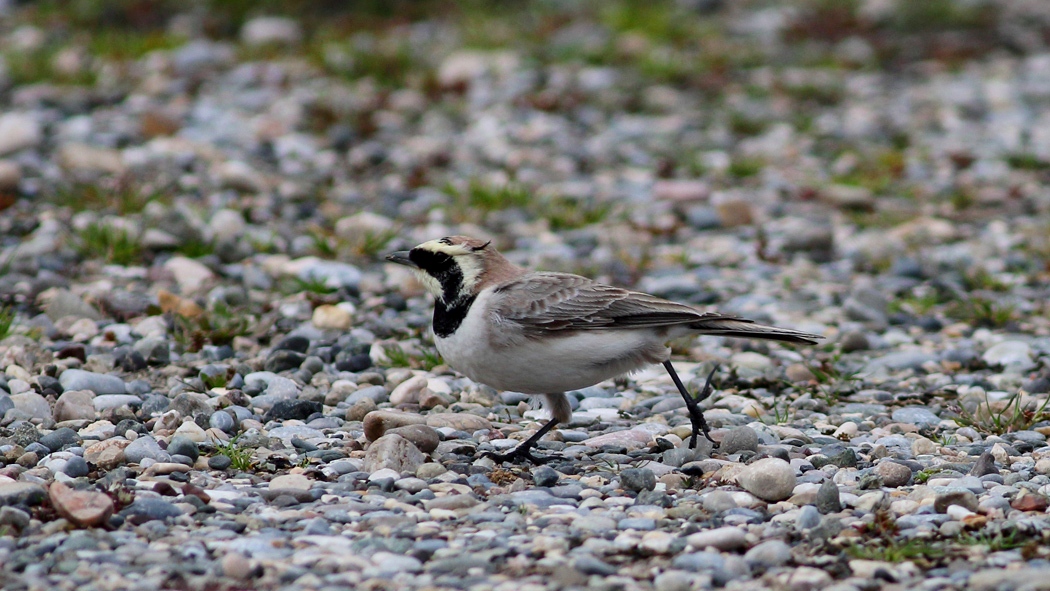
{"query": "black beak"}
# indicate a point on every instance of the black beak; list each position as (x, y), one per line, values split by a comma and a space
(401, 257)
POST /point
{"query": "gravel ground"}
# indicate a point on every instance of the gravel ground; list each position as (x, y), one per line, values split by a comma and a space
(212, 381)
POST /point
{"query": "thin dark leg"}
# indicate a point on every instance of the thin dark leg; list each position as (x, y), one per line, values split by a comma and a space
(696, 416)
(524, 449)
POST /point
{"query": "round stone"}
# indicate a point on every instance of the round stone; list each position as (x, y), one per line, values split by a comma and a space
(893, 474)
(219, 462)
(770, 479)
(739, 439)
(546, 476)
(183, 446)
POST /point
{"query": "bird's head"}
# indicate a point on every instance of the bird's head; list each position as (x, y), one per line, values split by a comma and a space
(455, 267)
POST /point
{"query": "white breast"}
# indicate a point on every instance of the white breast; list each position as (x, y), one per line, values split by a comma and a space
(543, 366)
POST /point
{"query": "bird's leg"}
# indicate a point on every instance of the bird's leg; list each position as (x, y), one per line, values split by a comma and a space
(696, 416)
(524, 449)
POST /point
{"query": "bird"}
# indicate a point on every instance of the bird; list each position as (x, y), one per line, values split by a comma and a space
(546, 333)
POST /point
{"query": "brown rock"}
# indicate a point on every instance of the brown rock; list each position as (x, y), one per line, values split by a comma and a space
(424, 437)
(394, 452)
(459, 421)
(1030, 502)
(735, 213)
(28, 459)
(170, 302)
(106, 454)
(80, 507)
(75, 405)
(893, 475)
(156, 123)
(429, 399)
(796, 372)
(360, 409)
(380, 421)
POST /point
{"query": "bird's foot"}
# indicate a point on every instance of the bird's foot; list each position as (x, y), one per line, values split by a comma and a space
(696, 416)
(514, 456)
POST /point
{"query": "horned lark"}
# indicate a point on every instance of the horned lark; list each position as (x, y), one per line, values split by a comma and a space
(549, 333)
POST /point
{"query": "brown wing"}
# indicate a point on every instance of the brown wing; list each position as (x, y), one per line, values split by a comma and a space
(543, 302)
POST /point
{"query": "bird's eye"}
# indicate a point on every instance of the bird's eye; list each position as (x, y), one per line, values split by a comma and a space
(446, 241)
(482, 247)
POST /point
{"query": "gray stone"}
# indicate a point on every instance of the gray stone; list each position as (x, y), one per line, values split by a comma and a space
(222, 421)
(828, 498)
(76, 467)
(808, 517)
(21, 493)
(184, 446)
(866, 304)
(719, 500)
(25, 434)
(60, 438)
(14, 517)
(64, 303)
(594, 524)
(898, 361)
(638, 479)
(893, 474)
(915, 415)
(770, 479)
(637, 523)
(699, 561)
(589, 565)
(678, 456)
(78, 379)
(33, 404)
(538, 498)
(739, 439)
(971, 483)
(769, 554)
(394, 452)
(219, 462)
(149, 509)
(155, 350)
(145, 447)
(1013, 354)
(545, 476)
(984, 465)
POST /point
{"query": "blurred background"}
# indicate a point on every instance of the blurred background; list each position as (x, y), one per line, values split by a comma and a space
(627, 140)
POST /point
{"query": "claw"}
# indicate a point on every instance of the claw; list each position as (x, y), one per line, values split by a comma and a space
(696, 416)
(525, 449)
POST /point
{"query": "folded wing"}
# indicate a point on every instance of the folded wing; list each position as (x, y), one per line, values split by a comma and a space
(541, 303)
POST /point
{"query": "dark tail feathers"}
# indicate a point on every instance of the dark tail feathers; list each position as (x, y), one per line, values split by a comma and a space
(747, 329)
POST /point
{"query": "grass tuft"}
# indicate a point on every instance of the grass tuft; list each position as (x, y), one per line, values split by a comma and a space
(114, 245)
(7, 320)
(1004, 416)
(218, 325)
(240, 457)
